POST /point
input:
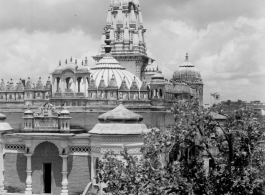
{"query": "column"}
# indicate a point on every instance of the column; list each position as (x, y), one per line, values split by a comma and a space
(74, 83)
(1, 166)
(64, 173)
(63, 85)
(29, 177)
(85, 88)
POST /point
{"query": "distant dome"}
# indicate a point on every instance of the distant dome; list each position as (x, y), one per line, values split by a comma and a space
(108, 67)
(187, 72)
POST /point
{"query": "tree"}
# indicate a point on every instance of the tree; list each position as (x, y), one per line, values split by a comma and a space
(174, 161)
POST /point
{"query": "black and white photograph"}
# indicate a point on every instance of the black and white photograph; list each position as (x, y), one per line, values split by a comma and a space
(132, 97)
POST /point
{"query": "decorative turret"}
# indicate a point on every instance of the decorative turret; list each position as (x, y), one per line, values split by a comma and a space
(124, 90)
(39, 85)
(120, 18)
(157, 85)
(101, 89)
(144, 91)
(132, 18)
(92, 89)
(48, 84)
(134, 91)
(64, 120)
(2, 85)
(28, 84)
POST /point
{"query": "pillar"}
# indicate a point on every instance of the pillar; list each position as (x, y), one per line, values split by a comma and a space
(1, 166)
(85, 88)
(74, 83)
(63, 85)
(29, 177)
(64, 173)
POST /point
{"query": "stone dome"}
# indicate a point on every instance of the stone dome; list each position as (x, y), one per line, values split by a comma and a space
(187, 72)
(107, 68)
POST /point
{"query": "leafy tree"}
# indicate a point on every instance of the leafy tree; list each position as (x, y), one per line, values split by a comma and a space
(173, 161)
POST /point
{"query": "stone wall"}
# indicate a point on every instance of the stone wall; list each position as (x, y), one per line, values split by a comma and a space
(78, 174)
(15, 172)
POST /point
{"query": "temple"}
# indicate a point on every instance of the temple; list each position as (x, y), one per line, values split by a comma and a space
(82, 111)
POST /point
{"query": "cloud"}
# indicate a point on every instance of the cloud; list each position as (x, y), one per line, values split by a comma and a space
(228, 54)
(38, 54)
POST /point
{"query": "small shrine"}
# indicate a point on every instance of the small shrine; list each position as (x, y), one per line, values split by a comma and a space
(118, 128)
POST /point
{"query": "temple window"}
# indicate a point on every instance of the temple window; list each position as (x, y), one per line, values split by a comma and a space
(28, 95)
(38, 94)
(111, 94)
(10, 96)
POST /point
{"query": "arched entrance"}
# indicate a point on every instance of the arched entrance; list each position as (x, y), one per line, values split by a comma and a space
(46, 169)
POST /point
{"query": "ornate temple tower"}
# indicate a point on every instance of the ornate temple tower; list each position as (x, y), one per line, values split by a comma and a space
(127, 34)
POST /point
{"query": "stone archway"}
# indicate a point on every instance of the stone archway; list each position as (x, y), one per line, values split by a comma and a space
(46, 153)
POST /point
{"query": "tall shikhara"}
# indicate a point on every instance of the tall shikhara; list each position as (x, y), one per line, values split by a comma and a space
(127, 34)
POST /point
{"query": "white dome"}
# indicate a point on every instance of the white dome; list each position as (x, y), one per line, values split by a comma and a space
(108, 67)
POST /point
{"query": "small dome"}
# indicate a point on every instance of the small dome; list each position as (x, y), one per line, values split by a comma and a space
(28, 112)
(65, 112)
(187, 72)
(158, 75)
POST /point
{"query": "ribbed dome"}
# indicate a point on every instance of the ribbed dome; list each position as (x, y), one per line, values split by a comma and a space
(187, 72)
(107, 68)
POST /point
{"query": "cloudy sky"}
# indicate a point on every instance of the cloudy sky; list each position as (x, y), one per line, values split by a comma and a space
(224, 38)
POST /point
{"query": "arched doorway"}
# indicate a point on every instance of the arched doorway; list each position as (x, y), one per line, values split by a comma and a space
(46, 169)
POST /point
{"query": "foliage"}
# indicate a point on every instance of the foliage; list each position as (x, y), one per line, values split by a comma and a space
(173, 161)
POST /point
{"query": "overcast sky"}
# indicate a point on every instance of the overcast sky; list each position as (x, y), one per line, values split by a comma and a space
(224, 38)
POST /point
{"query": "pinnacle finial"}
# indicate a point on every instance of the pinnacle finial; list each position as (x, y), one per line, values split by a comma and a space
(187, 56)
(75, 61)
(60, 63)
(66, 61)
(71, 59)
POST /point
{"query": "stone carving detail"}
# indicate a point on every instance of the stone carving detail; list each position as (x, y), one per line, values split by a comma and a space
(80, 149)
(95, 149)
(16, 147)
(115, 150)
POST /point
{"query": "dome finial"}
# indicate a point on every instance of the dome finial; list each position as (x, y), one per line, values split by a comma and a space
(187, 57)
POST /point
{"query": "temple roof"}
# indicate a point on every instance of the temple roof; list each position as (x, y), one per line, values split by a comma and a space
(120, 114)
(119, 121)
